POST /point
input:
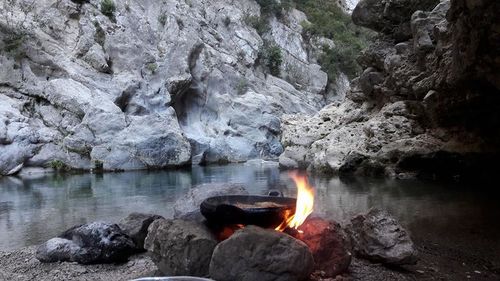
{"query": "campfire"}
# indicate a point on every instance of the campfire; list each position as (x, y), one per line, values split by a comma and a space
(231, 214)
(227, 214)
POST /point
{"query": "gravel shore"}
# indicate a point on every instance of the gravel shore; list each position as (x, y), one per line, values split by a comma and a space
(436, 263)
(22, 265)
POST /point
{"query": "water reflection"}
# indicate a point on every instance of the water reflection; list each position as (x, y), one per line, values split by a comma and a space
(33, 210)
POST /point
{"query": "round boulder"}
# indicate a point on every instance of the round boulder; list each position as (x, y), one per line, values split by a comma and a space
(96, 242)
(180, 247)
(136, 226)
(254, 253)
(377, 236)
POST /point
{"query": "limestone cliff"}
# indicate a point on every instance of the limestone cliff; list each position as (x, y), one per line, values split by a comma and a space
(135, 84)
(427, 103)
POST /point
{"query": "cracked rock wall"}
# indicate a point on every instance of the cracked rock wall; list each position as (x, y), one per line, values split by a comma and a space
(157, 84)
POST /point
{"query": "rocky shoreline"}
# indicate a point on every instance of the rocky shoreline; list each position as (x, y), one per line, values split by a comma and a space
(436, 263)
(375, 247)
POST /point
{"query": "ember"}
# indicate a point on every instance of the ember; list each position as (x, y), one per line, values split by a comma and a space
(227, 231)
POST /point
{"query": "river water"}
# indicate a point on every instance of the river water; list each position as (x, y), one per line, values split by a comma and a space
(34, 209)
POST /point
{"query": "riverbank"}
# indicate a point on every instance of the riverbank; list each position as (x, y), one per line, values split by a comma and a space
(436, 263)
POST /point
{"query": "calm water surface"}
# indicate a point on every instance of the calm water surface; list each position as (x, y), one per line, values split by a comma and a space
(35, 209)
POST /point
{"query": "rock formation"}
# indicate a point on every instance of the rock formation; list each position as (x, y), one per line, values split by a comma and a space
(97, 242)
(180, 247)
(147, 84)
(427, 103)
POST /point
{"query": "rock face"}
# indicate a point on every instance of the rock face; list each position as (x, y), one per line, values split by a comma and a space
(328, 244)
(255, 253)
(379, 237)
(426, 105)
(97, 242)
(391, 17)
(188, 206)
(136, 226)
(149, 85)
(180, 247)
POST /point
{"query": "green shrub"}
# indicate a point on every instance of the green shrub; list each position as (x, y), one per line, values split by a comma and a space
(162, 19)
(242, 86)
(259, 23)
(59, 165)
(152, 66)
(341, 58)
(274, 7)
(108, 8)
(328, 20)
(98, 166)
(271, 54)
(13, 45)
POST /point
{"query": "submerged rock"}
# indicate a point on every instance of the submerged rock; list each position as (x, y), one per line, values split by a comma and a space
(136, 226)
(96, 242)
(180, 247)
(377, 236)
(254, 253)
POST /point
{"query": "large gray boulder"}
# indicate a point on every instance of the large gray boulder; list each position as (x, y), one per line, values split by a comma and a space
(136, 226)
(377, 236)
(96, 242)
(254, 253)
(180, 247)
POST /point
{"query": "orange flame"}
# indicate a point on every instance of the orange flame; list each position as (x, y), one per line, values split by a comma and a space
(305, 202)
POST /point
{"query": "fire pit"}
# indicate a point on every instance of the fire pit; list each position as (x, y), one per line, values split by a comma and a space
(250, 237)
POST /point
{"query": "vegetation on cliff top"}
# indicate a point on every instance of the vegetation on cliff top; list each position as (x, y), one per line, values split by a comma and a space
(325, 19)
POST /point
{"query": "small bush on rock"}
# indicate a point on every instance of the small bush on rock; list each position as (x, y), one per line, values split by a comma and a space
(152, 67)
(272, 59)
(242, 86)
(108, 8)
(59, 165)
(162, 19)
(260, 24)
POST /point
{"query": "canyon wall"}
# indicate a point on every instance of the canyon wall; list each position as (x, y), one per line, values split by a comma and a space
(427, 103)
(91, 84)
